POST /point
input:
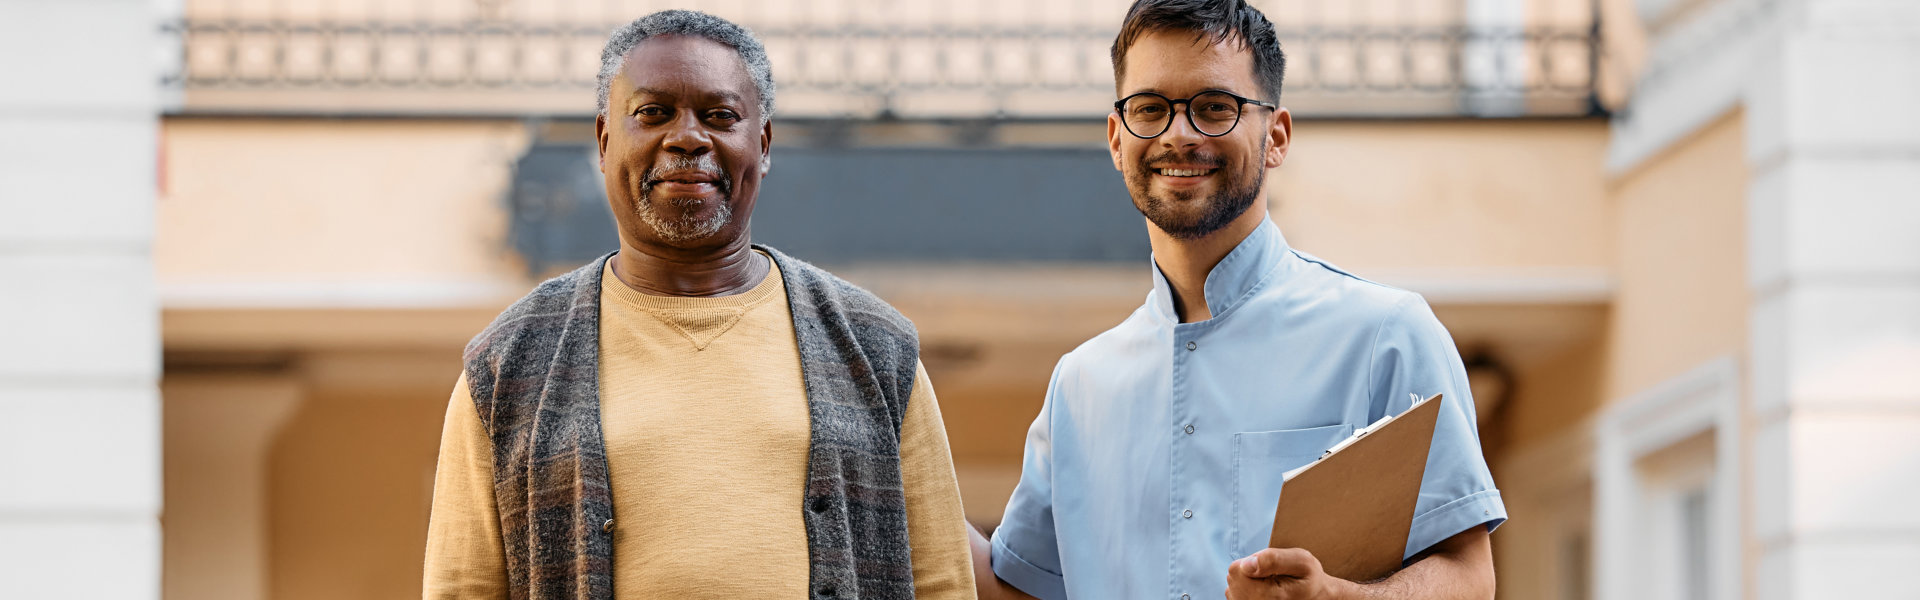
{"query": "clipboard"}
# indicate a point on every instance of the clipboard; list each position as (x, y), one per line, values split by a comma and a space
(1353, 507)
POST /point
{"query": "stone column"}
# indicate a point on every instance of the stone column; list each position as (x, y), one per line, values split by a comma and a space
(79, 322)
(220, 433)
(1834, 269)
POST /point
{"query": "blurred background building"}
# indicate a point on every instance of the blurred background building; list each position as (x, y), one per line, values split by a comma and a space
(242, 243)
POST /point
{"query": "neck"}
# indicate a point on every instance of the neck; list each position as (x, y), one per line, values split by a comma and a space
(1186, 263)
(665, 271)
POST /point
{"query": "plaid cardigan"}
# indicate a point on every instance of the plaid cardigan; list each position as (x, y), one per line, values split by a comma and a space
(534, 374)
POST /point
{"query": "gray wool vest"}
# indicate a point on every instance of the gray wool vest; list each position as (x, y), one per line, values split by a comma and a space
(534, 374)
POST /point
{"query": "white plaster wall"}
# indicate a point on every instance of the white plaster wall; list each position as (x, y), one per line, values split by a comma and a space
(1835, 277)
(1833, 147)
(79, 323)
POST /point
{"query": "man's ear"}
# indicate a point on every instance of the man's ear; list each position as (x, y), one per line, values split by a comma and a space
(1279, 137)
(1114, 131)
(766, 146)
(600, 136)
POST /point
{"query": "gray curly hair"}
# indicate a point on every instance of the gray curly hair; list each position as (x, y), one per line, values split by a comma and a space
(689, 23)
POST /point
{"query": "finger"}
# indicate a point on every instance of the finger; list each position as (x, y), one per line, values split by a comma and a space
(1248, 567)
(1241, 587)
(1276, 562)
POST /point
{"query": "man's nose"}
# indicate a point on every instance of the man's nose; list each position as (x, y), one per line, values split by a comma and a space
(1180, 133)
(685, 135)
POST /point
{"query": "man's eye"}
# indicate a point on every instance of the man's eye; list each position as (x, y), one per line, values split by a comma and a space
(651, 111)
(723, 116)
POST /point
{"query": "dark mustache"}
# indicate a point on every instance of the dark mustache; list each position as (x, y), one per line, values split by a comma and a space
(1209, 160)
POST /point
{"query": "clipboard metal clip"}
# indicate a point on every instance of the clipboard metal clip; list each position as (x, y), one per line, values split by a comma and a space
(1363, 431)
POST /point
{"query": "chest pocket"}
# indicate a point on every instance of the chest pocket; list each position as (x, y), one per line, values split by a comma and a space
(1260, 459)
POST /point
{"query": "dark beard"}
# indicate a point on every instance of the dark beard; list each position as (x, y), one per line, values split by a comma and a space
(1221, 208)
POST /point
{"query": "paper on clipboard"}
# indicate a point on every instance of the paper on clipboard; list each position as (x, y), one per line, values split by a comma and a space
(1352, 508)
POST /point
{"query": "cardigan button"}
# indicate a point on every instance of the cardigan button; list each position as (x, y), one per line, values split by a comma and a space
(820, 505)
(607, 527)
(826, 592)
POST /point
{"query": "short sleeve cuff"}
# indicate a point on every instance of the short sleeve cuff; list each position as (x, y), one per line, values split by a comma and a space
(1484, 508)
(1035, 581)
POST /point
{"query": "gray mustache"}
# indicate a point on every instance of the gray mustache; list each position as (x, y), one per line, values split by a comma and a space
(705, 164)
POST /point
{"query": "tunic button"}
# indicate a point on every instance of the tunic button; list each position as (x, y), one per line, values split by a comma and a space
(1189, 430)
(1192, 346)
(1185, 597)
(1187, 514)
(607, 527)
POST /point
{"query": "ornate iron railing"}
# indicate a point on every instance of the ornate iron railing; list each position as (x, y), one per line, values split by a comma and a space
(225, 65)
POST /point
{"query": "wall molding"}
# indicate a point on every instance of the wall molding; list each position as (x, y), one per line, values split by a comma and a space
(1705, 399)
(1698, 70)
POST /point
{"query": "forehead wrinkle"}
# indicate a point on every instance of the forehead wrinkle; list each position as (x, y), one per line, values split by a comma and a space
(720, 94)
(698, 61)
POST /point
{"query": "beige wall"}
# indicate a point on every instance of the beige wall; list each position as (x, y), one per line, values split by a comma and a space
(1484, 195)
(218, 429)
(1681, 260)
(291, 201)
(260, 202)
(301, 475)
(353, 475)
(1556, 396)
(1678, 229)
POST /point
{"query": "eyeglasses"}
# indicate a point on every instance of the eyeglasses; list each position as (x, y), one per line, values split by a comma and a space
(1146, 115)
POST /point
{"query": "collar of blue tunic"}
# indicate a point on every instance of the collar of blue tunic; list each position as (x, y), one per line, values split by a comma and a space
(1252, 264)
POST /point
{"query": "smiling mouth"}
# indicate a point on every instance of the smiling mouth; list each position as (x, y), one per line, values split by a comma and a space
(684, 180)
(686, 183)
(1185, 172)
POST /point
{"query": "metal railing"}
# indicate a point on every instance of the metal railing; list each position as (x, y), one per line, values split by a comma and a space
(852, 71)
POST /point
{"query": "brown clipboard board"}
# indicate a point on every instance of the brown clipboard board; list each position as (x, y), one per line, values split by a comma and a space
(1353, 507)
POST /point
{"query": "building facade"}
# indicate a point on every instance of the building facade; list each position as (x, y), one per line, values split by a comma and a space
(1669, 236)
(80, 473)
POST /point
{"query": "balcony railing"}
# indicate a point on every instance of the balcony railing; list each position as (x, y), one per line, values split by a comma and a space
(855, 71)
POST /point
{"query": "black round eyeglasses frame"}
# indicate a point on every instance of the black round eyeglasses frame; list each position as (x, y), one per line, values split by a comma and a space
(1119, 108)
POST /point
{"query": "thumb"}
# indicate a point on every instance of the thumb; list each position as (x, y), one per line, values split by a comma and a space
(1278, 562)
(1249, 566)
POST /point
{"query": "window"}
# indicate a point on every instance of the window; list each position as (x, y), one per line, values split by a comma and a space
(1665, 489)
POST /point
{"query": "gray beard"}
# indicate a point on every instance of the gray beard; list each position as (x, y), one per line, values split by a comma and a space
(684, 229)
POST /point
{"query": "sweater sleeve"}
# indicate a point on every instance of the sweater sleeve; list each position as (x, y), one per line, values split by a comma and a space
(936, 523)
(465, 558)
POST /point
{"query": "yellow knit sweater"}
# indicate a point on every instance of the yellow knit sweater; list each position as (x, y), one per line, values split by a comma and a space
(704, 412)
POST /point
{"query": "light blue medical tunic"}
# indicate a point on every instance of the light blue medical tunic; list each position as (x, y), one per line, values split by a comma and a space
(1156, 459)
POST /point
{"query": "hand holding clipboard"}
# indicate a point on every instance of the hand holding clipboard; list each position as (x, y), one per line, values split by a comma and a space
(1353, 507)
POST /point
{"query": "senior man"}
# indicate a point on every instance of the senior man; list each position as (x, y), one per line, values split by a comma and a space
(693, 415)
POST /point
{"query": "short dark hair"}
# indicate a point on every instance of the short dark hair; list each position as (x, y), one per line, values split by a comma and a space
(1214, 20)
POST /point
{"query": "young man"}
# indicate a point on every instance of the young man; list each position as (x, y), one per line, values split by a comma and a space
(1153, 468)
(694, 416)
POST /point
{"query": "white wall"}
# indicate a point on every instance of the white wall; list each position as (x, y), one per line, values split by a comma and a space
(1835, 275)
(79, 323)
(1833, 148)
